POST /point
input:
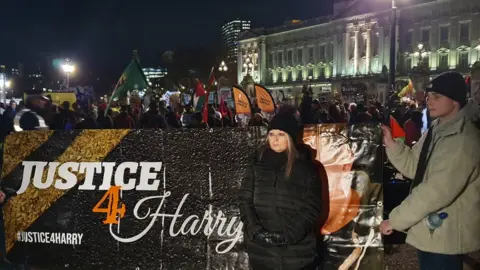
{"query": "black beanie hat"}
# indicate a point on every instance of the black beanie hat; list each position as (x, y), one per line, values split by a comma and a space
(287, 123)
(450, 84)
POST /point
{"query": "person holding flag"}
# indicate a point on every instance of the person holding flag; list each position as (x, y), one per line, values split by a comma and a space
(445, 167)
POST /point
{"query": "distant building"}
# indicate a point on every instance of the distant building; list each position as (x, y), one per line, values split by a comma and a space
(349, 51)
(154, 75)
(230, 33)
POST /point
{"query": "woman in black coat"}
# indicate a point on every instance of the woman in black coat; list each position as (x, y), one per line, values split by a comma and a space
(280, 202)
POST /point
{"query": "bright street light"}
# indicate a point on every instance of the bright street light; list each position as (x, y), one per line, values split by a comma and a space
(5, 83)
(68, 68)
(223, 66)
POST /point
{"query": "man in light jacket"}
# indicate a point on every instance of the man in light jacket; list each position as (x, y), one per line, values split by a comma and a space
(450, 182)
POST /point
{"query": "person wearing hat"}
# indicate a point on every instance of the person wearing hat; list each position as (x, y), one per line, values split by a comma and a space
(280, 201)
(441, 215)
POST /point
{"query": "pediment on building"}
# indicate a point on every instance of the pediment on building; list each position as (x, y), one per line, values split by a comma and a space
(279, 69)
(299, 66)
(310, 65)
(321, 64)
(443, 50)
(463, 48)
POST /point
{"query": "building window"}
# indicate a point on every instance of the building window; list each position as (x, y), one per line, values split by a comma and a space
(364, 51)
(352, 47)
(443, 61)
(408, 64)
(443, 34)
(299, 75)
(290, 57)
(300, 56)
(310, 55)
(321, 72)
(463, 60)
(409, 39)
(375, 44)
(465, 31)
(280, 59)
(425, 37)
(270, 61)
(321, 52)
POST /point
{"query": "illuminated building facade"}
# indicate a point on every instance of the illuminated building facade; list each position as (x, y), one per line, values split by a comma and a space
(352, 46)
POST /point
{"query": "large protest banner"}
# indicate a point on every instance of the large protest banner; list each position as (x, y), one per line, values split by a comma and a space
(352, 158)
(177, 208)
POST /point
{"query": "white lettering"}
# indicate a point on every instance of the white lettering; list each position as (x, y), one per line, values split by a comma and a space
(27, 173)
(89, 169)
(189, 226)
(119, 175)
(107, 175)
(52, 168)
(146, 175)
(67, 173)
(69, 177)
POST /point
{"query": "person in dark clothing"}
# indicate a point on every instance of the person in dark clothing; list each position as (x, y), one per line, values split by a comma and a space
(280, 202)
(123, 120)
(104, 121)
(8, 116)
(65, 120)
(152, 118)
(306, 109)
(413, 128)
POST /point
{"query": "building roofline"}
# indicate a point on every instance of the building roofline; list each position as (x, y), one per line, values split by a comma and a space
(245, 36)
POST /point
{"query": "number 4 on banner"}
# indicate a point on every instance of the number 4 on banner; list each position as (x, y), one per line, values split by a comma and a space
(114, 208)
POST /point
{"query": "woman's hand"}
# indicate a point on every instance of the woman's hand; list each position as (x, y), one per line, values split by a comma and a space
(387, 137)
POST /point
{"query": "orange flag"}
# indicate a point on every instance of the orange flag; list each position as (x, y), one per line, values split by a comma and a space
(397, 130)
(241, 100)
(264, 99)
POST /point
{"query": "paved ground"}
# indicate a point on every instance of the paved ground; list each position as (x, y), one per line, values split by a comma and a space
(403, 257)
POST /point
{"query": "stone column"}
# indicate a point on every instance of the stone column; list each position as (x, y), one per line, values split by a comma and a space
(368, 55)
(262, 54)
(239, 64)
(347, 54)
(356, 54)
(335, 62)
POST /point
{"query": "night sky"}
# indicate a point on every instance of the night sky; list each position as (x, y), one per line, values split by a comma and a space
(99, 35)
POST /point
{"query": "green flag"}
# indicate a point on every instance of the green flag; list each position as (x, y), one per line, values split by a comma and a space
(132, 78)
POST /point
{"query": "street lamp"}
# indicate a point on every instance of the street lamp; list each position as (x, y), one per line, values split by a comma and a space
(248, 65)
(68, 68)
(421, 52)
(4, 84)
(223, 67)
(393, 43)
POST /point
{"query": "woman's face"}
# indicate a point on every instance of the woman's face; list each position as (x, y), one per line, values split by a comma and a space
(278, 140)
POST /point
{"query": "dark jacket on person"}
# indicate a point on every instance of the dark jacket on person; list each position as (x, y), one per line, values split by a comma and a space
(270, 200)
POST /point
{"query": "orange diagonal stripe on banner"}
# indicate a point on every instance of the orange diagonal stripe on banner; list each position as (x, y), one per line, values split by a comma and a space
(89, 146)
(20, 145)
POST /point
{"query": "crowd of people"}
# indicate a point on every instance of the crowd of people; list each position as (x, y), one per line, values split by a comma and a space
(158, 114)
(439, 156)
